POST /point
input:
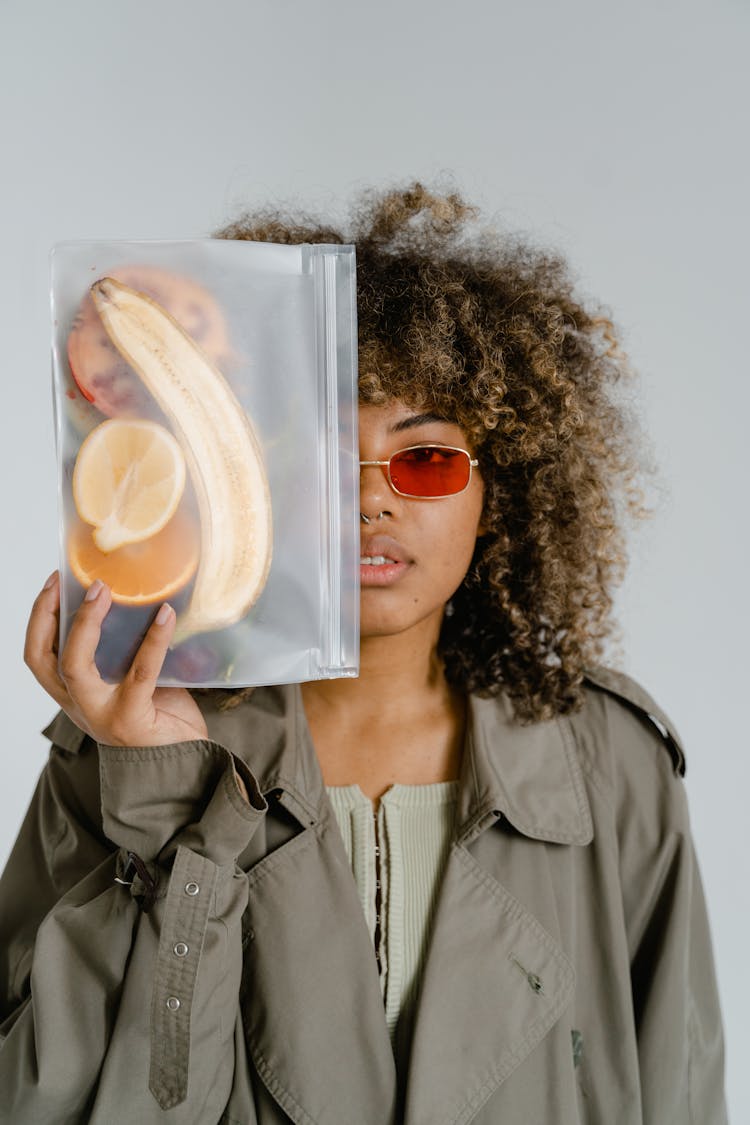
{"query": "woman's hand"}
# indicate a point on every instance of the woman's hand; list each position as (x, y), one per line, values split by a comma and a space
(133, 713)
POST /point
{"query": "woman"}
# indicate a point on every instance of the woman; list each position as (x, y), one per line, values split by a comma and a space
(458, 888)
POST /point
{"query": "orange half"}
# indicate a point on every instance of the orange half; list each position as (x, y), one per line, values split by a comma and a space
(141, 573)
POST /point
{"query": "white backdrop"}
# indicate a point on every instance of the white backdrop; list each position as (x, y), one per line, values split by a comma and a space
(616, 133)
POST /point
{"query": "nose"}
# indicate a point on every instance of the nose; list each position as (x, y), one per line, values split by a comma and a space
(375, 492)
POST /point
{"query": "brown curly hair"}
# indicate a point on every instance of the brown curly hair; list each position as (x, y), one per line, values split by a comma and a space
(484, 328)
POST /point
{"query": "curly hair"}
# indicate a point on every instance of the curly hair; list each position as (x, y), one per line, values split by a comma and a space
(484, 328)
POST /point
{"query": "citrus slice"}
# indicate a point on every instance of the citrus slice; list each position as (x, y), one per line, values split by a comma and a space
(141, 573)
(128, 479)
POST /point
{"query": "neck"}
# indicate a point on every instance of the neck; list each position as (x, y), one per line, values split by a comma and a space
(397, 674)
(399, 721)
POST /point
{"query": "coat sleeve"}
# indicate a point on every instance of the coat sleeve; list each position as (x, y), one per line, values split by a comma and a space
(675, 997)
(120, 935)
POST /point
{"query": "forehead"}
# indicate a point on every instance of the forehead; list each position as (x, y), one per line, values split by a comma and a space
(396, 417)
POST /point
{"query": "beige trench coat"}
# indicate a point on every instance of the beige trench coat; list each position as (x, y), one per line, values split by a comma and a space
(229, 977)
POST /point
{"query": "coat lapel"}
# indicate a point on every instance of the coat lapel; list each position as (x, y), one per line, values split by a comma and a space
(495, 980)
(314, 1016)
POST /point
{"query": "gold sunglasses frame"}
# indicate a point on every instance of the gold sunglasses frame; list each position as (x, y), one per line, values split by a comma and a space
(425, 445)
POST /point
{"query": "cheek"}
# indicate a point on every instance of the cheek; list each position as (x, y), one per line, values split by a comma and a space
(454, 543)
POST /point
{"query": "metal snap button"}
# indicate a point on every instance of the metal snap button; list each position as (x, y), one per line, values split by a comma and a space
(173, 1003)
(180, 949)
(191, 889)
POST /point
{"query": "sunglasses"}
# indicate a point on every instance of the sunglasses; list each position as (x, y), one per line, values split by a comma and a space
(427, 472)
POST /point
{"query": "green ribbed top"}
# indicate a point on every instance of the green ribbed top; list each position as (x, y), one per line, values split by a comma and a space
(412, 832)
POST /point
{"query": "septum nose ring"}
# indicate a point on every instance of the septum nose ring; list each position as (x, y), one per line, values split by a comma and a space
(366, 519)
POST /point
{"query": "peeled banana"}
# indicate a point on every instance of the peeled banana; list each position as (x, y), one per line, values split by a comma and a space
(222, 452)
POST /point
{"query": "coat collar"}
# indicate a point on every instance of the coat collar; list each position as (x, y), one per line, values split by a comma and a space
(528, 774)
(531, 774)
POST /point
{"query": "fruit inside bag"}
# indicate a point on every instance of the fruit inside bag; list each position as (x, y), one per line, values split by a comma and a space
(205, 400)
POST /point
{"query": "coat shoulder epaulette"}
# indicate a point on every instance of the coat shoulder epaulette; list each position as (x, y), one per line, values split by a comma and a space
(630, 692)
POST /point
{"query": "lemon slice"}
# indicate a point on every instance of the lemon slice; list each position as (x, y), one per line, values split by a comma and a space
(128, 479)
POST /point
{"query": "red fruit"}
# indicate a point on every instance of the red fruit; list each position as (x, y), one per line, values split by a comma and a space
(103, 376)
(194, 662)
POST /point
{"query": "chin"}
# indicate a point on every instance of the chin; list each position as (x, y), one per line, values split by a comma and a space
(382, 623)
(381, 628)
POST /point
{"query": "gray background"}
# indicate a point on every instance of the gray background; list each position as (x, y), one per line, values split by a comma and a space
(615, 133)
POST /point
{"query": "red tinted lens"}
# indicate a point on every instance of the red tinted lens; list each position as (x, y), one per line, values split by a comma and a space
(430, 470)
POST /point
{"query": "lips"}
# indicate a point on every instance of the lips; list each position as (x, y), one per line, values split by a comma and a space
(373, 546)
(387, 562)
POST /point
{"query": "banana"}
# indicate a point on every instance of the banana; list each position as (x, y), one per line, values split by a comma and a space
(222, 452)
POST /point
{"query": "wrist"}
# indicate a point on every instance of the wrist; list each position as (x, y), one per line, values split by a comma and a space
(241, 786)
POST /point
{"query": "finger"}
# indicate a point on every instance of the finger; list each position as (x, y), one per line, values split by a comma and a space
(139, 683)
(42, 636)
(77, 664)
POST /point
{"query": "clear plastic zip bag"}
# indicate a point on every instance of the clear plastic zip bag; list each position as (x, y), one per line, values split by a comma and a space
(206, 423)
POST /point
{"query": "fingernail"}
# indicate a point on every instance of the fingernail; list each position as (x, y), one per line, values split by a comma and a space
(94, 590)
(50, 581)
(164, 614)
